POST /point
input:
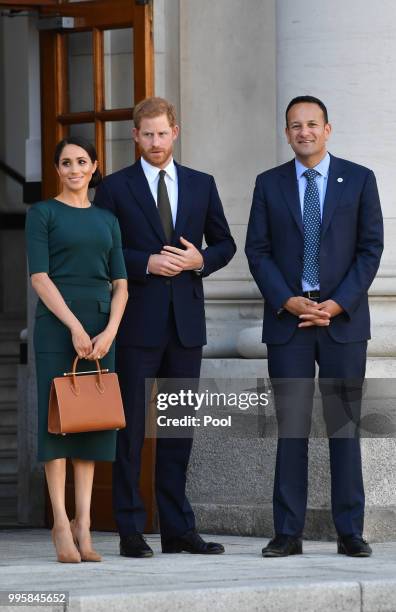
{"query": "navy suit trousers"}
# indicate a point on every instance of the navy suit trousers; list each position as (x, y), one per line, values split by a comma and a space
(135, 364)
(341, 367)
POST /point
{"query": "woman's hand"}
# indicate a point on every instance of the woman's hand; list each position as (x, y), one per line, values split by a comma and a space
(49, 293)
(101, 345)
(81, 342)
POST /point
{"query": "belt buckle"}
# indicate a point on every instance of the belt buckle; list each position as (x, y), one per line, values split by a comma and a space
(312, 295)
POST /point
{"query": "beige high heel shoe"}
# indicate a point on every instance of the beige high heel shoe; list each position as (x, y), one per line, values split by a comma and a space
(86, 555)
(66, 551)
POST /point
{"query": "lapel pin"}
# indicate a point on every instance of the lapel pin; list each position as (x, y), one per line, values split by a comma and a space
(340, 179)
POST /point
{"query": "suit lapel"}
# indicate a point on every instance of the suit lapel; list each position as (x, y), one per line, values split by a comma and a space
(140, 189)
(289, 188)
(335, 187)
(183, 197)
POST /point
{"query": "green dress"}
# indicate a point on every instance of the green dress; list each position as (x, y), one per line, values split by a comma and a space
(80, 249)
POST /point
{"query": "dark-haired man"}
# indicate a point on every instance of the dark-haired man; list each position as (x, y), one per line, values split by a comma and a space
(314, 244)
(165, 210)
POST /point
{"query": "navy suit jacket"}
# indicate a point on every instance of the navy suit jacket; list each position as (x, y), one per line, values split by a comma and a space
(350, 248)
(199, 214)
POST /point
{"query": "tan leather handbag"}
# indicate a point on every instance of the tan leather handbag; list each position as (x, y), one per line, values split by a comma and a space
(85, 401)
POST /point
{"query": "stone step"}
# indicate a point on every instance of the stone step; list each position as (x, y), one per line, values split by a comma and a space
(8, 461)
(8, 479)
(9, 465)
(9, 351)
(8, 393)
(10, 359)
(10, 329)
(11, 322)
(8, 414)
(8, 372)
(8, 438)
(8, 508)
(4, 405)
(8, 490)
(9, 522)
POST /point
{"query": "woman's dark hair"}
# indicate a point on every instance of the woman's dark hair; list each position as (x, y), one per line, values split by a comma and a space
(88, 148)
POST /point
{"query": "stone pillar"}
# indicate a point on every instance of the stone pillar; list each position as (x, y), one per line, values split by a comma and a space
(228, 114)
(228, 110)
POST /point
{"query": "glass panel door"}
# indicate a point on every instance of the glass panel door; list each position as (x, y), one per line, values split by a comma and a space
(100, 68)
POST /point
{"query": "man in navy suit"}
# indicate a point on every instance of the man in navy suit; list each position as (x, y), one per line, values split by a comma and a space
(314, 244)
(165, 210)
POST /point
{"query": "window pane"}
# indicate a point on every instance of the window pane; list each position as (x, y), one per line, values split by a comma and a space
(120, 148)
(80, 69)
(84, 130)
(118, 49)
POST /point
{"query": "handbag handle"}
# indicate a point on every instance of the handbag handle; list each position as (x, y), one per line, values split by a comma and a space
(99, 383)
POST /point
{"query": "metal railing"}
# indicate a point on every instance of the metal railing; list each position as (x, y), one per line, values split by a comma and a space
(31, 189)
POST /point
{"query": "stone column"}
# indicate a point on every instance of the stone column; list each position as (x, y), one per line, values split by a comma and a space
(228, 114)
(228, 110)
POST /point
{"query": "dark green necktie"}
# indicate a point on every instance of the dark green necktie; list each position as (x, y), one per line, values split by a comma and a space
(164, 207)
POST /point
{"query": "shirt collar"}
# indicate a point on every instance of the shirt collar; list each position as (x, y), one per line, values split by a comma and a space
(152, 172)
(322, 167)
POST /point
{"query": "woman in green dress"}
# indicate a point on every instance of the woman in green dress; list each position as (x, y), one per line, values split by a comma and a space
(78, 271)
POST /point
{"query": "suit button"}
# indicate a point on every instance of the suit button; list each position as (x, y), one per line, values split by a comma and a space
(167, 282)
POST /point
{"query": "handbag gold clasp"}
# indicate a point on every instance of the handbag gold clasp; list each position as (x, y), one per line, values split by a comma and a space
(102, 371)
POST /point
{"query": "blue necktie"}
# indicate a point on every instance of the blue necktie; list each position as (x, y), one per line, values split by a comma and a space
(312, 224)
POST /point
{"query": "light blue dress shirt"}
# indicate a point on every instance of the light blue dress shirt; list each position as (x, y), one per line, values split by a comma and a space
(321, 180)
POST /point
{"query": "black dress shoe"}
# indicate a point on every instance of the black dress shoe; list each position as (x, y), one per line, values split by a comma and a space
(283, 546)
(191, 542)
(353, 546)
(134, 546)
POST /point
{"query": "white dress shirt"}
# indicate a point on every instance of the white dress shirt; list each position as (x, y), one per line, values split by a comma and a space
(152, 175)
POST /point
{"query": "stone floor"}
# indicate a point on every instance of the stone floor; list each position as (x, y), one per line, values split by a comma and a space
(239, 580)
